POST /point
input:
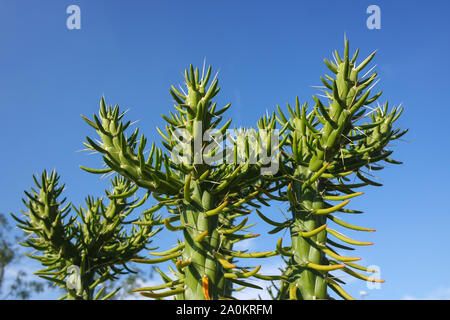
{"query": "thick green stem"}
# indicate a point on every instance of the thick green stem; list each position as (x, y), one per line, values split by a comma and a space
(204, 264)
(311, 283)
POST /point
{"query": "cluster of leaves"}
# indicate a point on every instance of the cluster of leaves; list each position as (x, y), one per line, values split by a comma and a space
(92, 246)
(206, 196)
(326, 150)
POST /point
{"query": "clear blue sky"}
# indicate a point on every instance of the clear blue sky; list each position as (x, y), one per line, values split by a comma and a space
(267, 53)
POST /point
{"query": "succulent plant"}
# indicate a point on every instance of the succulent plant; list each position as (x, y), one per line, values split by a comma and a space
(203, 192)
(325, 147)
(79, 252)
(208, 187)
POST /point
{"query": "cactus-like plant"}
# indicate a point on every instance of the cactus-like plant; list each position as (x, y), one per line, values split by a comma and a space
(205, 194)
(79, 252)
(324, 148)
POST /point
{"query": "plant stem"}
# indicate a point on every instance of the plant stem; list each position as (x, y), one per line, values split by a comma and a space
(311, 283)
(203, 264)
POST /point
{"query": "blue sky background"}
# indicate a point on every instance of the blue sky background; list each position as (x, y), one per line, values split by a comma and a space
(267, 52)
